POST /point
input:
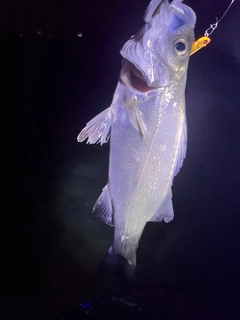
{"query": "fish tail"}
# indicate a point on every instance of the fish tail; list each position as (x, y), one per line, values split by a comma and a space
(114, 264)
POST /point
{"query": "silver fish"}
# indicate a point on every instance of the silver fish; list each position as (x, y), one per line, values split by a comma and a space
(147, 125)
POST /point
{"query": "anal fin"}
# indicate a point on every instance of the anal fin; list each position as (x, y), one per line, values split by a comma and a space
(102, 209)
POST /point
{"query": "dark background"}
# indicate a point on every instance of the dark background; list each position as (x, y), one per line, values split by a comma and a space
(53, 82)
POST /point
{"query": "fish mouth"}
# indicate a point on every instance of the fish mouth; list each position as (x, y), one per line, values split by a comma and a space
(136, 78)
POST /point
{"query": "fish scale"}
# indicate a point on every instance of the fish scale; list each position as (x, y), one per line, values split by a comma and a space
(142, 194)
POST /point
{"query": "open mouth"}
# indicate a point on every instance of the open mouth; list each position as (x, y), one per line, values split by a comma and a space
(137, 80)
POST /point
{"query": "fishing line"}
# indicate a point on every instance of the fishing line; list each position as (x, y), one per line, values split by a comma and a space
(214, 26)
(203, 41)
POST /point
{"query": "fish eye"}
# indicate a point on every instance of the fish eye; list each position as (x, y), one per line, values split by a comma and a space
(180, 46)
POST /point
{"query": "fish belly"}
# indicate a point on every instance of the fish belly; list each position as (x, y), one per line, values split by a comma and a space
(142, 168)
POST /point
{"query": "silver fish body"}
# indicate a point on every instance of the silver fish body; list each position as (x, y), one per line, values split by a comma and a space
(147, 125)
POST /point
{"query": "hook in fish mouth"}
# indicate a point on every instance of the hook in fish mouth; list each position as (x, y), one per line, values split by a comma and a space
(136, 78)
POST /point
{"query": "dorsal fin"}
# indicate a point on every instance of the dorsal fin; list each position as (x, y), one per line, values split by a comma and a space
(98, 129)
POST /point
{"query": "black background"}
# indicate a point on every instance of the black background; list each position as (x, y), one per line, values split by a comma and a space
(53, 82)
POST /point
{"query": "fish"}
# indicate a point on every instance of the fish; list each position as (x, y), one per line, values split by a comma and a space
(147, 128)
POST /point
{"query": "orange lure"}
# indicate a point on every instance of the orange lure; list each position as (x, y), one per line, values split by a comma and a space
(199, 44)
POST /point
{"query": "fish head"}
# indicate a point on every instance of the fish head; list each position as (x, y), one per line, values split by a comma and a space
(159, 53)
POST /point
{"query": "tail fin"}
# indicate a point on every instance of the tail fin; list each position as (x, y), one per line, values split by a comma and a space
(115, 265)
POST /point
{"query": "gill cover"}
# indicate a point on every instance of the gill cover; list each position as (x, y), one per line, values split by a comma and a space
(162, 47)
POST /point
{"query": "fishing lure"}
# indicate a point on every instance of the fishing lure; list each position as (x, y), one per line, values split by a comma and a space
(203, 41)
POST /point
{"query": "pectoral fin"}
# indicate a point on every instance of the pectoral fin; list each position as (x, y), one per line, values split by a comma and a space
(165, 212)
(102, 209)
(98, 129)
(135, 116)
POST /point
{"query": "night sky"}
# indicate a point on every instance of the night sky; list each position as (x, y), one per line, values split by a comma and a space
(53, 82)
